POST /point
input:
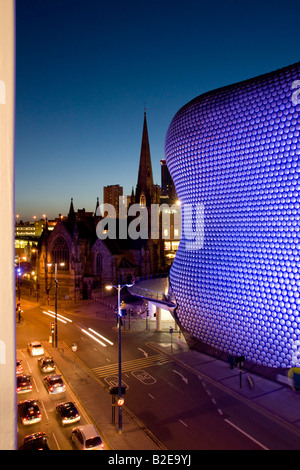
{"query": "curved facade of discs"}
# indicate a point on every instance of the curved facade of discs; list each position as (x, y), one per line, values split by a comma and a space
(233, 154)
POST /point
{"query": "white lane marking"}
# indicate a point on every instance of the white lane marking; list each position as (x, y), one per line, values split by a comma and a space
(46, 414)
(184, 424)
(247, 435)
(61, 316)
(100, 336)
(35, 385)
(182, 377)
(56, 441)
(53, 316)
(93, 337)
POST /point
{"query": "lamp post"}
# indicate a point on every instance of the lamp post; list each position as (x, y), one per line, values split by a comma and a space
(119, 287)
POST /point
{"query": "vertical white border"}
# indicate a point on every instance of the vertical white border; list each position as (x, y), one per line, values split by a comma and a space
(7, 282)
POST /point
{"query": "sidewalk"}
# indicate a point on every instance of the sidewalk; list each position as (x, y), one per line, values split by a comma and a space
(272, 398)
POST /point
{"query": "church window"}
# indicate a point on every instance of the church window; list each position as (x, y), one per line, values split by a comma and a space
(99, 263)
(60, 254)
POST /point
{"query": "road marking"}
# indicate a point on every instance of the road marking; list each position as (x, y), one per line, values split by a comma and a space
(53, 316)
(56, 441)
(43, 405)
(127, 366)
(35, 385)
(29, 368)
(184, 424)
(246, 434)
(144, 352)
(181, 376)
(93, 337)
(60, 316)
(143, 377)
(151, 396)
(102, 337)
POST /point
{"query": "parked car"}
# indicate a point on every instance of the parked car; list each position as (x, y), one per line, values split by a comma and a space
(36, 441)
(35, 348)
(29, 412)
(54, 384)
(20, 369)
(24, 384)
(87, 438)
(46, 364)
(67, 413)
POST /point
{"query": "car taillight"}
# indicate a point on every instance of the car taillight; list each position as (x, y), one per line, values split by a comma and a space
(39, 415)
(51, 389)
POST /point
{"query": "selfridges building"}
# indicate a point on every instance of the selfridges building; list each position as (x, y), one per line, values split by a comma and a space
(233, 154)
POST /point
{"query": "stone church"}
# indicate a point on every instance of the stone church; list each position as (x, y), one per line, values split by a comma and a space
(84, 261)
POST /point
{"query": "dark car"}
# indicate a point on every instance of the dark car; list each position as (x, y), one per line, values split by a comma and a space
(67, 413)
(36, 441)
(54, 384)
(29, 412)
(20, 370)
(24, 384)
(46, 364)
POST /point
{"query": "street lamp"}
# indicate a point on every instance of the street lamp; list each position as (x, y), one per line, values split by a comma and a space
(119, 287)
(56, 286)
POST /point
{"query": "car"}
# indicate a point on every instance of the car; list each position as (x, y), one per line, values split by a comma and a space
(29, 412)
(35, 348)
(67, 413)
(20, 369)
(46, 364)
(54, 384)
(24, 384)
(87, 437)
(36, 441)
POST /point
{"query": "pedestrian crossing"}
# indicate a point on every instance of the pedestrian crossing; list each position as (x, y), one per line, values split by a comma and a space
(128, 366)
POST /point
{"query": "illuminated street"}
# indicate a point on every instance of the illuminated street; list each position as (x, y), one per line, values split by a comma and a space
(178, 408)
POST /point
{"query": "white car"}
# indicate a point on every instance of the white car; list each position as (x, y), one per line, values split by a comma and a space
(35, 348)
(87, 438)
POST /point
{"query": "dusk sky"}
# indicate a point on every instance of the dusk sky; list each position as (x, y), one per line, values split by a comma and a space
(86, 69)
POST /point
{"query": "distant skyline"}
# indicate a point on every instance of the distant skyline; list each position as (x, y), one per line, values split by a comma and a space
(86, 69)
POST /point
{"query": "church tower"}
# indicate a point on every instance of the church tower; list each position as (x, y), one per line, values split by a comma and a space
(144, 194)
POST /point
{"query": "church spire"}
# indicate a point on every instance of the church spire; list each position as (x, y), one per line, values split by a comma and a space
(144, 188)
(71, 215)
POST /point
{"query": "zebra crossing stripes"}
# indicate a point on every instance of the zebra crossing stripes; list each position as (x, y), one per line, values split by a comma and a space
(127, 366)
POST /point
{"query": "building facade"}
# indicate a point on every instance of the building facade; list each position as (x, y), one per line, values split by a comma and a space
(233, 154)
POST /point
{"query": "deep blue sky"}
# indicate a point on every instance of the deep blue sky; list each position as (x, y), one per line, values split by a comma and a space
(86, 68)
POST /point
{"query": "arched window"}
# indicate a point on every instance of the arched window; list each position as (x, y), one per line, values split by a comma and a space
(98, 266)
(60, 254)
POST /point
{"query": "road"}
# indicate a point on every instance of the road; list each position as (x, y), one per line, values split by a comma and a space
(180, 408)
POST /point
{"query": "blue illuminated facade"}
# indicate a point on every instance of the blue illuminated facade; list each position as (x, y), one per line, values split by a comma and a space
(235, 152)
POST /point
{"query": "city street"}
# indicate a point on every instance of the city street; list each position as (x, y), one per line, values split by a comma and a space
(177, 408)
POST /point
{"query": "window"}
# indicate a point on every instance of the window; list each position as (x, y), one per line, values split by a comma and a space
(98, 263)
(60, 254)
